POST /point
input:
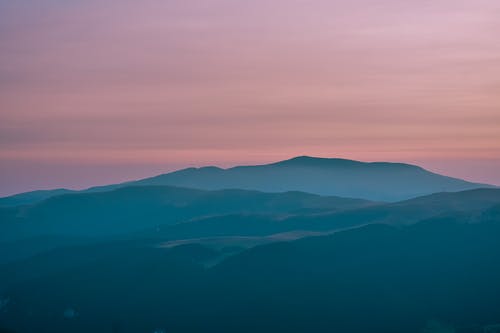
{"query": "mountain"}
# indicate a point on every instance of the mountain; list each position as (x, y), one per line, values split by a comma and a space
(166, 216)
(253, 229)
(466, 207)
(146, 257)
(128, 209)
(377, 181)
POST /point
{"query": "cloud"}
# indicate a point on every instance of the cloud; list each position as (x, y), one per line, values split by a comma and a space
(230, 79)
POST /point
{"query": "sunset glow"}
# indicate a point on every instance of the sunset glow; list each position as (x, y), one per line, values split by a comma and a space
(96, 92)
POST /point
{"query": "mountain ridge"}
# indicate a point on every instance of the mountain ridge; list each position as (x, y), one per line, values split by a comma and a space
(376, 181)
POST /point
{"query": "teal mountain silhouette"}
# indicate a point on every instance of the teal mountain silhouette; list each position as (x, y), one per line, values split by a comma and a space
(377, 181)
(303, 245)
(437, 271)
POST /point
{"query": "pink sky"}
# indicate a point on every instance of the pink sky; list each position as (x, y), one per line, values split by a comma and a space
(99, 91)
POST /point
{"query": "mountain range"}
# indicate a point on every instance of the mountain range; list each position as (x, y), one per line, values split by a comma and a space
(376, 181)
(307, 244)
(439, 274)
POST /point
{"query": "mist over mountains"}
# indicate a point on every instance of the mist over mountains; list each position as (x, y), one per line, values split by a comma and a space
(300, 245)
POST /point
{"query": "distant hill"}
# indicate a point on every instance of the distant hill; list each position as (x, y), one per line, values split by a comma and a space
(136, 208)
(464, 207)
(27, 198)
(173, 215)
(377, 181)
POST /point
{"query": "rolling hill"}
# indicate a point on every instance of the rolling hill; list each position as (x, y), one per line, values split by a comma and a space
(128, 209)
(378, 278)
(172, 215)
(164, 258)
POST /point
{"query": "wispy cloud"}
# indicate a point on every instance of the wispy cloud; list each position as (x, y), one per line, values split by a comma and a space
(172, 82)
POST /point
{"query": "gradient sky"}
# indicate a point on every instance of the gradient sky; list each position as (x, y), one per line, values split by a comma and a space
(99, 91)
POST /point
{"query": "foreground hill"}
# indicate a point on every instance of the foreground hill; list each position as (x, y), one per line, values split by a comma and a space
(378, 181)
(111, 262)
(425, 277)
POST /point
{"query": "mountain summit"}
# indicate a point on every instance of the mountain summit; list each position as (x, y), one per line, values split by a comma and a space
(338, 163)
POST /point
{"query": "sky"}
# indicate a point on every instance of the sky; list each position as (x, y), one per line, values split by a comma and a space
(100, 91)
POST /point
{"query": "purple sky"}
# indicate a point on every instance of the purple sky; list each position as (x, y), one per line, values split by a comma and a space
(100, 91)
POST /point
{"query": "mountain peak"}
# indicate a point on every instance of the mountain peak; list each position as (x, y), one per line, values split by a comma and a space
(319, 161)
(333, 162)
